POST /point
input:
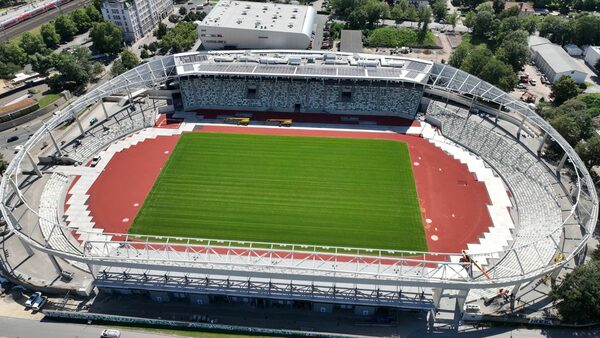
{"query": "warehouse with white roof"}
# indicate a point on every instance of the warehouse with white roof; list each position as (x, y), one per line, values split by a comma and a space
(252, 25)
(554, 61)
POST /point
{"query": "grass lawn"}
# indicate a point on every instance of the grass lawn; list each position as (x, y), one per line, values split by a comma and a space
(48, 99)
(283, 189)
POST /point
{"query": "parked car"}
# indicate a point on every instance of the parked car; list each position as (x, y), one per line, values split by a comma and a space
(532, 82)
(31, 300)
(521, 86)
(18, 148)
(39, 303)
(110, 333)
(12, 139)
(93, 121)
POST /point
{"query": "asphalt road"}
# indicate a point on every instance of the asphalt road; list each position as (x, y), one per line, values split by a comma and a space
(26, 328)
(40, 19)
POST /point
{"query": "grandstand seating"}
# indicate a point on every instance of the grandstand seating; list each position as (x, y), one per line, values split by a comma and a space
(49, 217)
(539, 212)
(91, 145)
(312, 96)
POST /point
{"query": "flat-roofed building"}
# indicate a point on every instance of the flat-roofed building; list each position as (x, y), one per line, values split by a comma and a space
(136, 17)
(554, 62)
(253, 25)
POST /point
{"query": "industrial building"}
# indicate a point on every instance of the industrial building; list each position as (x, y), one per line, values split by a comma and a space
(553, 61)
(136, 17)
(251, 25)
(592, 56)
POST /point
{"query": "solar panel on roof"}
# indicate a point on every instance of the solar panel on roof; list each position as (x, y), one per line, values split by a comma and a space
(384, 72)
(412, 74)
(192, 58)
(418, 66)
(241, 68)
(347, 71)
(275, 69)
(188, 68)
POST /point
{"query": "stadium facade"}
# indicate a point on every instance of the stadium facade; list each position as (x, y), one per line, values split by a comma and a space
(502, 131)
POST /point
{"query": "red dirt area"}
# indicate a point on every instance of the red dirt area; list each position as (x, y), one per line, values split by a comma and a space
(453, 203)
(118, 193)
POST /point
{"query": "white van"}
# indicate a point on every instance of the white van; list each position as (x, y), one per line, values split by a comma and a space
(39, 303)
(110, 333)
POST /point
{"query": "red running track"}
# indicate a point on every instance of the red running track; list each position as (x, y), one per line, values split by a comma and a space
(453, 203)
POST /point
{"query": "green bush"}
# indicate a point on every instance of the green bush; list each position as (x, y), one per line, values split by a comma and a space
(398, 37)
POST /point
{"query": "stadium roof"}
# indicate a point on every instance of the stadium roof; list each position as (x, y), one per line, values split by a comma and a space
(305, 64)
(257, 16)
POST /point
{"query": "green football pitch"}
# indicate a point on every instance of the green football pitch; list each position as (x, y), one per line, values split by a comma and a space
(283, 189)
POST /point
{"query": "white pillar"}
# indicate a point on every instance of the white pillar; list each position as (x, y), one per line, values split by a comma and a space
(542, 142)
(54, 142)
(459, 309)
(521, 127)
(33, 164)
(78, 124)
(104, 109)
(437, 296)
(561, 164)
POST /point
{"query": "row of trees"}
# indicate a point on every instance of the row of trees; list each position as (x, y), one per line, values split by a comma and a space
(35, 48)
(565, 5)
(361, 14)
(497, 48)
(572, 115)
(582, 30)
(178, 39)
(397, 37)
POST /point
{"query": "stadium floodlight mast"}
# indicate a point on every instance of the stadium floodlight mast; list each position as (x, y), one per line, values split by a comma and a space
(260, 263)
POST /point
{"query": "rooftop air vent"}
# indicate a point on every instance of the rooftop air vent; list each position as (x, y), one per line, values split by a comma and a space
(244, 13)
(294, 16)
(295, 10)
(290, 25)
(239, 21)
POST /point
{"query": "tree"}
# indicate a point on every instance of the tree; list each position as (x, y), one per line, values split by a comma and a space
(82, 20)
(577, 297)
(40, 63)
(499, 6)
(182, 11)
(127, 60)
(439, 9)
(49, 35)
(65, 27)
(514, 49)
(180, 38)
(452, 19)
(376, 10)
(107, 37)
(161, 30)
(476, 59)
(459, 54)
(589, 151)
(397, 14)
(73, 73)
(424, 17)
(8, 70)
(411, 13)
(32, 43)
(469, 19)
(564, 89)
(11, 52)
(500, 74)
(144, 54)
(358, 18)
(596, 253)
(93, 13)
(483, 24)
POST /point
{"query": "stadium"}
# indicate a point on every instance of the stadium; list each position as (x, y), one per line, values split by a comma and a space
(299, 176)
